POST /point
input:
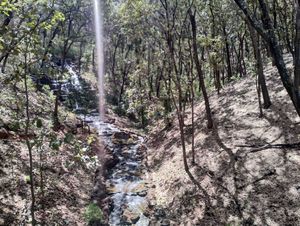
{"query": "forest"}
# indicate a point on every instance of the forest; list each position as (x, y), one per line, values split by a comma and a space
(150, 112)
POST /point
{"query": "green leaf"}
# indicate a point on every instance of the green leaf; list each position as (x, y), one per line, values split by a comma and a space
(39, 123)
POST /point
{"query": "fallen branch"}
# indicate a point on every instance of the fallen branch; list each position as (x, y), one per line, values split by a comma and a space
(259, 147)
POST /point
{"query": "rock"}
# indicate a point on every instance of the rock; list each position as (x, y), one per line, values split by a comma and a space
(153, 221)
(151, 204)
(126, 153)
(130, 217)
(122, 138)
(165, 222)
(147, 212)
(111, 161)
(4, 134)
(139, 188)
(159, 212)
(142, 148)
(142, 193)
(111, 121)
(121, 135)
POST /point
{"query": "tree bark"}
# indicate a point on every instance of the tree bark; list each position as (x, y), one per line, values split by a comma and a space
(297, 50)
(259, 66)
(29, 145)
(199, 71)
(227, 51)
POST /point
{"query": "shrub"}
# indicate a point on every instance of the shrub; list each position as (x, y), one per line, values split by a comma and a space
(93, 213)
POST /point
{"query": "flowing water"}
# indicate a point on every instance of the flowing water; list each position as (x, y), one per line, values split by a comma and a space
(125, 183)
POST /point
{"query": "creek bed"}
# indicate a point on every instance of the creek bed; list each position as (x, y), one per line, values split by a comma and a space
(124, 183)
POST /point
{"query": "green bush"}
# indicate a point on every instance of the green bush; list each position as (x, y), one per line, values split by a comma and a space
(93, 213)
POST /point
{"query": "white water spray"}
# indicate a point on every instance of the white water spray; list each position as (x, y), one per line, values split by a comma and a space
(100, 55)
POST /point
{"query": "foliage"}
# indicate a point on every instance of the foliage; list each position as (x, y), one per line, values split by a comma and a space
(93, 213)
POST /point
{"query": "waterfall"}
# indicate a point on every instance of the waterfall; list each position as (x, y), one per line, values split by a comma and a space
(100, 55)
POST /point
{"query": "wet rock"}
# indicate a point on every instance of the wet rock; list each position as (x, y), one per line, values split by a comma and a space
(140, 188)
(142, 193)
(94, 112)
(110, 120)
(123, 138)
(111, 161)
(126, 153)
(121, 135)
(130, 217)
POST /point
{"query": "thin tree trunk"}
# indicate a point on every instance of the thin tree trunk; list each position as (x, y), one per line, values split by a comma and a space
(200, 72)
(259, 66)
(4, 63)
(29, 146)
(227, 51)
(297, 50)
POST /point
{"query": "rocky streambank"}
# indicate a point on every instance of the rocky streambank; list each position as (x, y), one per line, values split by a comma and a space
(123, 186)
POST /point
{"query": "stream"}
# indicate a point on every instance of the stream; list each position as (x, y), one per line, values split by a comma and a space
(124, 183)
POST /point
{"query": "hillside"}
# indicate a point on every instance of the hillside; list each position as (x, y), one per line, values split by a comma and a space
(65, 160)
(142, 112)
(255, 185)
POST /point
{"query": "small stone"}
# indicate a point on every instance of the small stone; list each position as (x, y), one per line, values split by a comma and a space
(142, 193)
(147, 212)
(159, 213)
(165, 222)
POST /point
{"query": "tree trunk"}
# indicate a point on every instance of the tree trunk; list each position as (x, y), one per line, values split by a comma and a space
(260, 70)
(297, 51)
(29, 146)
(199, 71)
(227, 51)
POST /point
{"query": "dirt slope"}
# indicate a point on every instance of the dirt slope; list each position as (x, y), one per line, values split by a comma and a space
(68, 171)
(247, 186)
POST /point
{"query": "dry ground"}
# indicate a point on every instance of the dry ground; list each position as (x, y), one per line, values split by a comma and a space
(246, 185)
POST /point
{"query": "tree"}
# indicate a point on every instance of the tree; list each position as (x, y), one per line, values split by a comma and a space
(199, 69)
(266, 31)
(259, 66)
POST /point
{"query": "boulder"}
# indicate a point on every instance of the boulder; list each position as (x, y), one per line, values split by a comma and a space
(121, 135)
(122, 138)
(111, 161)
(130, 217)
